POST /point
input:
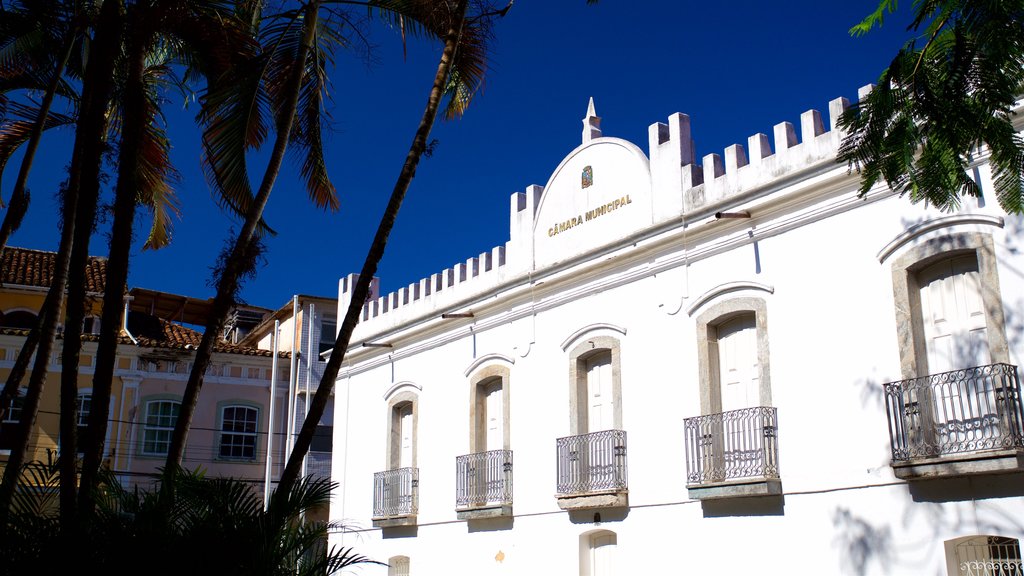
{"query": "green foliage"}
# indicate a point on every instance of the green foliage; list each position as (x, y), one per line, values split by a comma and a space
(941, 104)
(187, 522)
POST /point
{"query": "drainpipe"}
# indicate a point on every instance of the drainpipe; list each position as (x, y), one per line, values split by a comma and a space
(293, 379)
(309, 374)
(270, 414)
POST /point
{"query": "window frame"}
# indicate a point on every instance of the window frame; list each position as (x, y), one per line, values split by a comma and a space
(913, 348)
(478, 383)
(578, 356)
(82, 419)
(396, 568)
(707, 350)
(223, 407)
(11, 422)
(396, 403)
(147, 427)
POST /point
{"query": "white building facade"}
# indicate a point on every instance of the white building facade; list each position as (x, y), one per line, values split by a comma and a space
(736, 366)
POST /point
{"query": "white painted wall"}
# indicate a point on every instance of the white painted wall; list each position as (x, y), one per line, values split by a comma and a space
(832, 340)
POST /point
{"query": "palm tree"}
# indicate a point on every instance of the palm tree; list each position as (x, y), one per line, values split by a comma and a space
(35, 28)
(80, 194)
(463, 45)
(222, 521)
(207, 38)
(226, 138)
(27, 34)
(292, 70)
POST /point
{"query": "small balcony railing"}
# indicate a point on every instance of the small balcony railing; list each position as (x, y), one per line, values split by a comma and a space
(594, 462)
(732, 445)
(955, 412)
(483, 479)
(396, 492)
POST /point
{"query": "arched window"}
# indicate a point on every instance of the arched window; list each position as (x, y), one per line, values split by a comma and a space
(18, 319)
(398, 566)
(595, 385)
(736, 435)
(944, 319)
(598, 551)
(732, 342)
(978, 555)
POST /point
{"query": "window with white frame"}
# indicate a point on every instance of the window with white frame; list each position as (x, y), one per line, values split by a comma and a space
(9, 425)
(328, 333)
(84, 402)
(238, 429)
(158, 426)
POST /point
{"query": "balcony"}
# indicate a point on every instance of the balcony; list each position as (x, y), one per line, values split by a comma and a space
(733, 454)
(395, 497)
(961, 422)
(592, 470)
(483, 485)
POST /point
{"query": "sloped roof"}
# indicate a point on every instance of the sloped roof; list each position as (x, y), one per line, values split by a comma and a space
(155, 332)
(24, 267)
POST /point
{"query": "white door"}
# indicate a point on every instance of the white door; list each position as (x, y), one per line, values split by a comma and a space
(405, 431)
(602, 555)
(601, 403)
(954, 315)
(737, 363)
(494, 417)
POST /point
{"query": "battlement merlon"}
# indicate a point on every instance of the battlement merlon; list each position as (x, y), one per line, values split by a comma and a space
(522, 214)
(671, 152)
(681, 186)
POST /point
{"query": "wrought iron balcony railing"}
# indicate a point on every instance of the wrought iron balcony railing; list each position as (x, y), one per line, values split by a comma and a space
(732, 445)
(594, 462)
(955, 412)
(483, 479)
(396, 492)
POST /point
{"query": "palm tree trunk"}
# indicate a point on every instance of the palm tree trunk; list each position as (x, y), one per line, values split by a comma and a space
(16, 213)
(240, 260)
(373, 257)
(134, 126)
(83, 177)
(20, 197)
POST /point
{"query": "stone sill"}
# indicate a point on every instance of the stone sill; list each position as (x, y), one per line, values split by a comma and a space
(484, 511)
(394, 521)
(742, 488)
(952, 465)
(606, 499)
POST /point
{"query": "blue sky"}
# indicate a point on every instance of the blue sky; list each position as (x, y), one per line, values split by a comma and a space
(735, 68)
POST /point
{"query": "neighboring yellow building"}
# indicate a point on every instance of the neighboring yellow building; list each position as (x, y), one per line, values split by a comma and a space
(229, 434)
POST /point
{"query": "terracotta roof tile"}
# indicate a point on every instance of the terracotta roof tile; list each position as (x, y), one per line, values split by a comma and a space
(24, 267)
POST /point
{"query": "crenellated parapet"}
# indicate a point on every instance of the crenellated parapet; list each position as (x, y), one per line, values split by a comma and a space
(437, 292)
(605, 192)
(681, 186)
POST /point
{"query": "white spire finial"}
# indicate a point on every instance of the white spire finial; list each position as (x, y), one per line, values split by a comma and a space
(591, 124)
